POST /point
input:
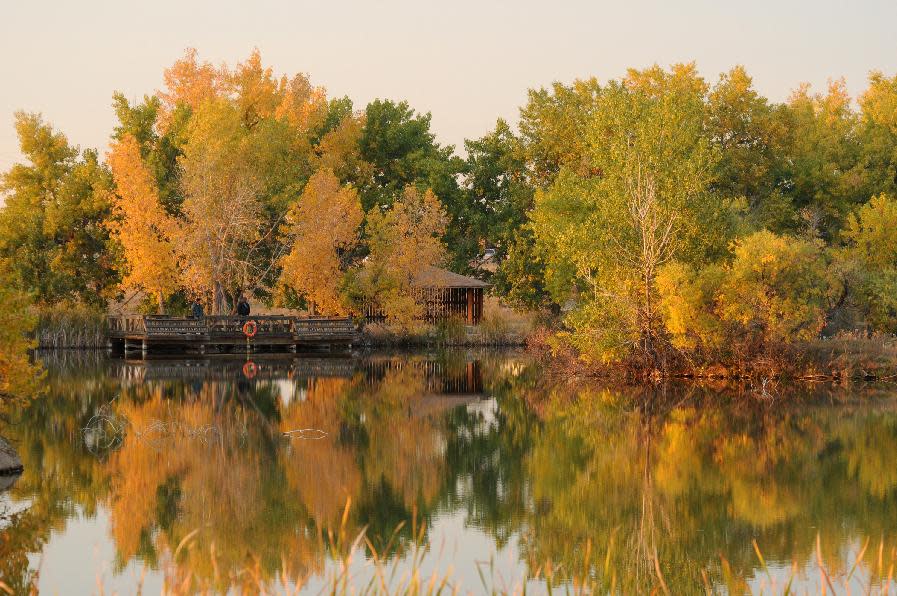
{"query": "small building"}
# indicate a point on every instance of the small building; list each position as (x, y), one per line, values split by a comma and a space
(444, 295)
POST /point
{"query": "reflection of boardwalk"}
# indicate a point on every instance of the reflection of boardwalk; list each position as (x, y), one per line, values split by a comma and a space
(439, 378)
(232, 369)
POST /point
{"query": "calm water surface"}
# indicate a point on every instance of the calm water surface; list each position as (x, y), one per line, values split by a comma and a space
(459, 461)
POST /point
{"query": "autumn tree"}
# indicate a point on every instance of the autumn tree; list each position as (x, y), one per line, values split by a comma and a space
(223, 213)
(159, 150)
(18, 374)
(404, 241)
(776, 290)
(141, 226)
(322, 228)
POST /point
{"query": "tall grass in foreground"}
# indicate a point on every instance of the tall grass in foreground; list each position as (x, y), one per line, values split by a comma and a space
(70, 326)
(356, 566)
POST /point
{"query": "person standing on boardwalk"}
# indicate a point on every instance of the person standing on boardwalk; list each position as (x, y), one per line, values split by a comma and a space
(243, 307)
(196, 310)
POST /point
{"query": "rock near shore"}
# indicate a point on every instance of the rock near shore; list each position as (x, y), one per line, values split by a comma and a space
(10, 463)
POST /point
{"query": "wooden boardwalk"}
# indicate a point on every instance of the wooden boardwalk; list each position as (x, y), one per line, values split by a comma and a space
(226, 333)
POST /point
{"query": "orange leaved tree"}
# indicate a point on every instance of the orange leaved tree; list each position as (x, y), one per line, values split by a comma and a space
(323, 228)
(141, 226)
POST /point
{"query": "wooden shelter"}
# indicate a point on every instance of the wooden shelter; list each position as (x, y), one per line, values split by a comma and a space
(444, 295)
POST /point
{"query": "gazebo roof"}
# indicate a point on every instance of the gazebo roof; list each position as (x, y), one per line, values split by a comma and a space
(435, 277)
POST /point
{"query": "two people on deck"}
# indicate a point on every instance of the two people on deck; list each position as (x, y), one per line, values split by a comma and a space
(196, 310)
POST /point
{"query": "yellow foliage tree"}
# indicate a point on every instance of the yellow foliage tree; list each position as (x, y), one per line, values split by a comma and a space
(404, 241)
(18, 376)
(322, 226)
(140, 224)
(223, 211)
(190, 83)
(338, 150)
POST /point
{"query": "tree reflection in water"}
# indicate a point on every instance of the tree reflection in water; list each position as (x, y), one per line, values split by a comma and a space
(606, 483)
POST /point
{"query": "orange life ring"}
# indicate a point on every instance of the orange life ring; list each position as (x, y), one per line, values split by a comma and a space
(250, 369)
(250, 328)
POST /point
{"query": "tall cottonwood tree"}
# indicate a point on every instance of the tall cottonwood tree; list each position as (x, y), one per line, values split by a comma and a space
(141, 226)
(642, 201)
(322, 228)
(223, 213)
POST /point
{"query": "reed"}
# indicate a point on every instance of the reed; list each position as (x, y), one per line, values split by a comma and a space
(70, 327)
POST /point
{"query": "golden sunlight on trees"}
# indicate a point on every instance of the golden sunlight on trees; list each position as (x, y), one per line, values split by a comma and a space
(322, 228)
(188, 83)
(141, 226)
(403, 242)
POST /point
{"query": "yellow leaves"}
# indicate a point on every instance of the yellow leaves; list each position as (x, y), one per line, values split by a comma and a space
(140, 224)
(404, 241)
(872, 232)
(322, 226)
(303, 106)
(189, 83)
(338, 150)
(18, 376)
(252, 86)
(879, 101)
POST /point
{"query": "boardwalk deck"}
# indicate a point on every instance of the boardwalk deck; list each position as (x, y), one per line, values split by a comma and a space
(225, 333)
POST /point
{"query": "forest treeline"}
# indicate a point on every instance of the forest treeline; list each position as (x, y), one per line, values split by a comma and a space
(661, 217)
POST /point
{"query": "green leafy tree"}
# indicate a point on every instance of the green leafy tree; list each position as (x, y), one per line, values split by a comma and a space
(53, 238)
(645, 202)
(497, 182)
(871, 237)
(878, 132)
(750, 135)
(397, 143)
(825, 178)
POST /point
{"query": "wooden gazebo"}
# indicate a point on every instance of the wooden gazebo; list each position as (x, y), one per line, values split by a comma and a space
(444, 295)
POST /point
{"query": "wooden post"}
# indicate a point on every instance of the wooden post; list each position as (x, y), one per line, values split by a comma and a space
(479, 305)
(469, 293)
(144, 348)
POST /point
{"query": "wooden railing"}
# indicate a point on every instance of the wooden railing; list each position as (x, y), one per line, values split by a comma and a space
(323, 326)
(127, 324)
(166, 326)
(266, 326)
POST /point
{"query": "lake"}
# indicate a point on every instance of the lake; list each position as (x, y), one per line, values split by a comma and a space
(465, 467)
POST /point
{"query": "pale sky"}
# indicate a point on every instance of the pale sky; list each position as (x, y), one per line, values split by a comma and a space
(468, 62)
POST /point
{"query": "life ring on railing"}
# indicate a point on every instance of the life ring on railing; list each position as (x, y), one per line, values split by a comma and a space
(250, 369)
(250, 328)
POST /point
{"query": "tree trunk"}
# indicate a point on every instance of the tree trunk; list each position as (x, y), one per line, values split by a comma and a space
(160, 303)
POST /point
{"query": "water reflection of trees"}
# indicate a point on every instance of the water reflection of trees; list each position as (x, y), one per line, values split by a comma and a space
(701, 478)
(683, 475)
(209, 453)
